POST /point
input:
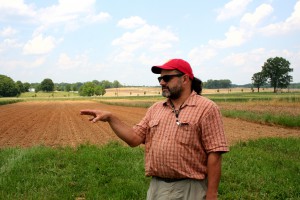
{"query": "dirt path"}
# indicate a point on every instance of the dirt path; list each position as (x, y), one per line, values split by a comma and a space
(58, 123)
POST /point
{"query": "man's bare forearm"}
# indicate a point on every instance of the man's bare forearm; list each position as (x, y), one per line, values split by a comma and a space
(213, 175)
(123, 131)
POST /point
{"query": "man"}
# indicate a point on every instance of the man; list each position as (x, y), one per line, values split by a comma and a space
(183, 136)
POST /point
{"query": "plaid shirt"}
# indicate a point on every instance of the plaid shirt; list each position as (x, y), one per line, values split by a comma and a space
(180, 151)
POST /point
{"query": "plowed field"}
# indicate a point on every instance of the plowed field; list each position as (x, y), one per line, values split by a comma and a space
(59, 123)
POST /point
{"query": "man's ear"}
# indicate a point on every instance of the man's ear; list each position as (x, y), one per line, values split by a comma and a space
(186, 78)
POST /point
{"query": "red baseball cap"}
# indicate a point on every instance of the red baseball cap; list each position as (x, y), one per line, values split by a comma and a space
(173, 64)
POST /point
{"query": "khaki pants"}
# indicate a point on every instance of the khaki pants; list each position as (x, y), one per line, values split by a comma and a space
(187, 189)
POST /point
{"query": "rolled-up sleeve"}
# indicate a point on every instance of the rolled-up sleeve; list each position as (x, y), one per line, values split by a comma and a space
(212, 131)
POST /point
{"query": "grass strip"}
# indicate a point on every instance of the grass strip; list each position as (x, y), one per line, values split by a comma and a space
(253, 97)
(9, 101)
(89, 172)
(262, 169)
(142, 104)
(266, 118)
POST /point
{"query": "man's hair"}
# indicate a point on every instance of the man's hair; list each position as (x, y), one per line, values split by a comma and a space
(197, 85)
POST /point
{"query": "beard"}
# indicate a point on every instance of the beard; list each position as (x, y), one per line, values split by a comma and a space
(172, 92)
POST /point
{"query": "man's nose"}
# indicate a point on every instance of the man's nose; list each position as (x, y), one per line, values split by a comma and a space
(162, 82)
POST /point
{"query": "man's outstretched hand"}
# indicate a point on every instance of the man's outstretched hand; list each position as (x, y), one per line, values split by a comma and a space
(97, 115)
(123, 131)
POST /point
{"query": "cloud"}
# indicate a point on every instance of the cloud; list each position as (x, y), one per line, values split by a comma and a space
(8, 32)
(252, 61)
(150, 38)
(238, 35)
(232, 9)
(15, 8)
(260, 13)
(9, 43)
(8, 65)
(39, 45)
(235, 36)
(38, 62)
(101, 17)
(243, 59)
(71, 10)
(65, 62)
(290, 24)
(131, 22)
(201, 54)
(66, 13)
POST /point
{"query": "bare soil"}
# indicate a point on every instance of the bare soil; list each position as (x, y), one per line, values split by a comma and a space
(59, 123)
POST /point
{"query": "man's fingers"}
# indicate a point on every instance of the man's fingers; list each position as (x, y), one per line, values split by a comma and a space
(87, 112)
(96, 115)
(95, 119)
(91, 119)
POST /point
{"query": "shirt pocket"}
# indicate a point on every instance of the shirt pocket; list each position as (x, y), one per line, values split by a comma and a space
(187, 133)
(153, 126)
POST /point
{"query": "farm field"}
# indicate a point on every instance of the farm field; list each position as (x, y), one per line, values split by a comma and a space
(58, 123)
(285, 108)
(152, 91)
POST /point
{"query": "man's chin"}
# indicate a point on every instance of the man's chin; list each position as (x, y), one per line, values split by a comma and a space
(165, 93)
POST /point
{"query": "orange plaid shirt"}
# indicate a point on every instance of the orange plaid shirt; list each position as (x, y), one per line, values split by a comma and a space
(180, 151)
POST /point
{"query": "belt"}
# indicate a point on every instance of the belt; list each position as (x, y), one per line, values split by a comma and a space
(169, 180)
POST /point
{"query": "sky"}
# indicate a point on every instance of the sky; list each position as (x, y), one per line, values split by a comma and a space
(78, 41)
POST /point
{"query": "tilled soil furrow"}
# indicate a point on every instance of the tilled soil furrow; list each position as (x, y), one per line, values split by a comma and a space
(59, 123)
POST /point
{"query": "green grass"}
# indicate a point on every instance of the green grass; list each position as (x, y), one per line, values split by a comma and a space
(110, 172)
(254, 96)
(262, 169)
(48, 94)
(266, 118)
(5, 101)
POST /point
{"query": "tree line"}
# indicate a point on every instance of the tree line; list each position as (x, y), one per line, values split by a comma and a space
(217, 84)
(10, 88)
(274, 73)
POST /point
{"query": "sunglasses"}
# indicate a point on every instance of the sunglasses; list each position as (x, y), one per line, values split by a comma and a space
(167, 78)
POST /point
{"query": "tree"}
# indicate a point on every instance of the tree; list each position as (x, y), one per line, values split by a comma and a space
(276, 70)
(20, 86)
(68, 87)
(96, 82)
(259, 80)
(216, 84)
(26, 86)
(47, 85)
(225, 83)
(87, 89)
(116, 84)
(76, 86)
(106, 84)
(99, 90)
(8, 88)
